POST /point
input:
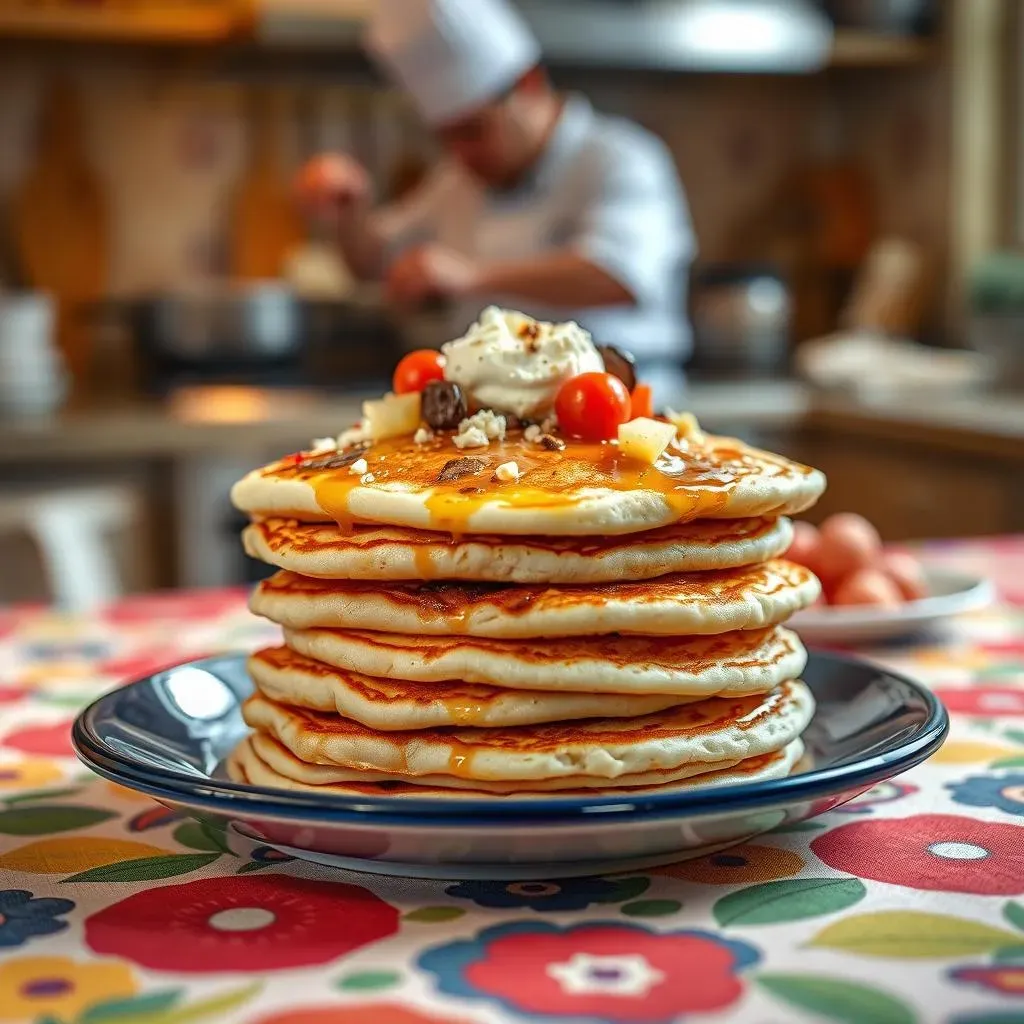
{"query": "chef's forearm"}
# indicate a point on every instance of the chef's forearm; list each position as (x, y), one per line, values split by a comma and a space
(558, 279)
(361, 244)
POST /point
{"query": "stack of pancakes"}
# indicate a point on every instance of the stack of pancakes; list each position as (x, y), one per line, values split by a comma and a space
(596, 625)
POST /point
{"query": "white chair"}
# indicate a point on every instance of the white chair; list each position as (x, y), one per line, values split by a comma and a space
(72, 528)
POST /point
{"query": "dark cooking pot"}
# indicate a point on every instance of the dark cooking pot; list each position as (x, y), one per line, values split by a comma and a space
(260, 333)
(246, 322)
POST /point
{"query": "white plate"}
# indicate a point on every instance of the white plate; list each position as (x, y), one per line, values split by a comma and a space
(949, 593)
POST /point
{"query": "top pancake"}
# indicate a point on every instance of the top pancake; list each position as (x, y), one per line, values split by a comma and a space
(325, 551)
(583, 490)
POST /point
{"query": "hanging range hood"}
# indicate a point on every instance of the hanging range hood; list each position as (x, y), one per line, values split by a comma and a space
(777, 36)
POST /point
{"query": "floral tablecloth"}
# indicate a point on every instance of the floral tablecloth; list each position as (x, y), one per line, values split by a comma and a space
(906, 905)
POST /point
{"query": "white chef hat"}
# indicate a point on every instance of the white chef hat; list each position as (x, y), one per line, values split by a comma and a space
(451, 56)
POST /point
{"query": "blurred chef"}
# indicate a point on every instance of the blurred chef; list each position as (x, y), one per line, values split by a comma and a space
(540, 202)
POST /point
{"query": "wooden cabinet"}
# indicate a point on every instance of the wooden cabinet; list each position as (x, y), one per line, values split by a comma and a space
(909, 490)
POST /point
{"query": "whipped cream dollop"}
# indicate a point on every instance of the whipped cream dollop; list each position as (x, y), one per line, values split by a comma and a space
(510, 362)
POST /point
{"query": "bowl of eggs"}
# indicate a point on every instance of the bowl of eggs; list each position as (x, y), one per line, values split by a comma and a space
(871, 594)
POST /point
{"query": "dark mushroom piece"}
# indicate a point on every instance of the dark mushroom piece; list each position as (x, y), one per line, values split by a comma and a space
(456, 469)
(443, 405)
(336, 460)
(619, 364)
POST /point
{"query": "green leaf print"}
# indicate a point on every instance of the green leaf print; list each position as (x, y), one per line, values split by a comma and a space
(792, 899)
(911, 935)
(844, 1001)
(199, 836)
(115, 1011)
(47, 819)
(434, 915)
(1013, 913)
(142, 869)
(165, 1008)
(40, 794)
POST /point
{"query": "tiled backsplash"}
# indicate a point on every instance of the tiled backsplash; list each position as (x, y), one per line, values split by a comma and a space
(170, 149)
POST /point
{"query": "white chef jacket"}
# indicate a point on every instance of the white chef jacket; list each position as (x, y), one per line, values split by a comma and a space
(603, 186)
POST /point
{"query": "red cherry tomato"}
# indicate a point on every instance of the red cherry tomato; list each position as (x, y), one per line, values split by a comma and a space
(416, 370)
(592, 405)
(643, 401)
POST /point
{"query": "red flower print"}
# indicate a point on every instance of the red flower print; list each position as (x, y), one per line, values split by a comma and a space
(250, 923)
(989, 701)
(177, 606)
(53, 740)
(943, 852)
(1007, 979)
(603, 970)
(363, 1013)
(144, 663)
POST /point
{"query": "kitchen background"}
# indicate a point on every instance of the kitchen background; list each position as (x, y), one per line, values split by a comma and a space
(856, 181)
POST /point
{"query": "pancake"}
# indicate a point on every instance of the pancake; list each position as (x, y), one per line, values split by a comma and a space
(749, 661)
(680, 604)
(706, 731)
(261, 761)
(583, 490)
(398, 553)
(289, 678)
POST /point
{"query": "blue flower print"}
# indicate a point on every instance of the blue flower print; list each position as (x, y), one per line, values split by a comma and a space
(1003, 791)
(567, 894)
(22, 916)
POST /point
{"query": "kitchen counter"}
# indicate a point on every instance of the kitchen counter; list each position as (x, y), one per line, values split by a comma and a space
(989, 424)
(251, 420)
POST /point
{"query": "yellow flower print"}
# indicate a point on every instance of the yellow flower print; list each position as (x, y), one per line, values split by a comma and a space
(64, 854)
(123, 793)
(31, 773)
(54, 675)
(747, 863)
(57, 986)
(970, 752)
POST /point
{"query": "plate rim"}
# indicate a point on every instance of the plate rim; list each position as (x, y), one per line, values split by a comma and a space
(225, 796)
(978, 594)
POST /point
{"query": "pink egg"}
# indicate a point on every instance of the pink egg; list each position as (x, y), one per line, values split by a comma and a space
(806, 545)
(906, 572)
(848, 543)
(868, 587)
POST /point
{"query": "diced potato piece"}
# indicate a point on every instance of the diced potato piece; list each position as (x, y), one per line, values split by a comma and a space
(645, 439)
(393, 416)
(686, 425)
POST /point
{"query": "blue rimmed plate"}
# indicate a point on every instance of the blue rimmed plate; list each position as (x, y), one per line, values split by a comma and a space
(168, 734)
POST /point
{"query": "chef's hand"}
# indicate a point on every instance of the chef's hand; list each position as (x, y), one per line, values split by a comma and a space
(331, 186)
(430, 272)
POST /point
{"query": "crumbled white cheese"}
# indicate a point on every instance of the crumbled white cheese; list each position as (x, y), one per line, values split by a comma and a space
(507, 472)
(470, 437)
(478, 430)
(423, 435)
(367, 478)
(359, 467)
(353, 436)
(323, 444)
(549, 426)
(532, 432)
